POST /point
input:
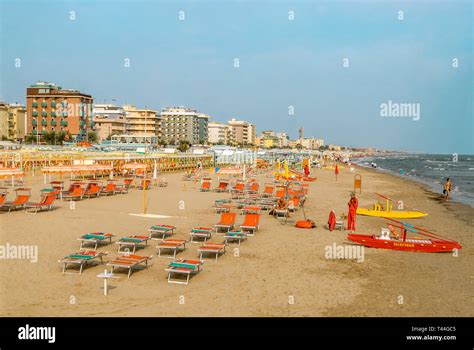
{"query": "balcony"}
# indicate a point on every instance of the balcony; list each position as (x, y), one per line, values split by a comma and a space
(53, 114)
(54, 122)
(53, 104)
(34, 122)
(44, 113)
(44, 104)
(34, 114)
(44, 122)
(63, 123)
(35, 104)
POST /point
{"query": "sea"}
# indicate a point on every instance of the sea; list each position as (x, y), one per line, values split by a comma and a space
(431, 170)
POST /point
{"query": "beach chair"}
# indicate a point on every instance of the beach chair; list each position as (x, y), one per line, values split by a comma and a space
(45, 203)
(253, 188)
(205, 186)
(251, 209)
(163, 230)
(109, 189)
(21, 198)
(72, 186)
(130, 262)
(3, 195)
(92, 189)
(280, 193)
(235, 235)
(222, 187)
(201, 233)
(76, 194)
(211, 248)
(81, 259)
(227, 222)
(251, 223)
(223, 208)
(183, 267)
(268, 191)
(95, 239)
(133, 241)
(174, 245)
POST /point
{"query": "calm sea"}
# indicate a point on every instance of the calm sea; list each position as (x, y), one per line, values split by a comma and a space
(431, 169)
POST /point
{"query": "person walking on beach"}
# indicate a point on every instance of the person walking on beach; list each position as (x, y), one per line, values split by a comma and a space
(351, 218)
(448, 186)
(306, 170)
(199, 166)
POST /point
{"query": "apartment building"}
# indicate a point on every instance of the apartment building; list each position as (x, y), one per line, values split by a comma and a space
(52, 108)
(242, 132)
(109, 120)
(184, 124)
(218, 133)
(142, 122)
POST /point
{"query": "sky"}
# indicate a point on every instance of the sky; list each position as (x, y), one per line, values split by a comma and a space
(284, 63)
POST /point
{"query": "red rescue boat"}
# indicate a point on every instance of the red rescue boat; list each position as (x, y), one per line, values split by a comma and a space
(391, 239)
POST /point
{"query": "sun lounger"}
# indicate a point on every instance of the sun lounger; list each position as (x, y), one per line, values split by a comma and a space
(129, 262)
(22, 197)
(235, 235)
(183, 267)
(227, 222)
(163, 230)
(223, 208)
(222, 187)
(205, 186)
(253, 188)
(268, 191)
(76, 194)
(45, 203)
(96, 238)
(133, 241)
(121, 189)
(251, 209)
(211, 248)
(109, 189)
(81, 259)
(201, 232)
(93, 189)
(251, 223)
(3, 196)
(174, 245)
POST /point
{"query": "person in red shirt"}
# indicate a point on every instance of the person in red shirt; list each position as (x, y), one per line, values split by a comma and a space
(306, 170)
(351, 218)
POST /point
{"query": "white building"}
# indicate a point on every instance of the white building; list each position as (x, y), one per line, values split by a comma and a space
(218, 133)
(108, 120)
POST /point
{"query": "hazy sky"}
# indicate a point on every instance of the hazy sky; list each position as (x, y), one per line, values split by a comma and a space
(282, 63)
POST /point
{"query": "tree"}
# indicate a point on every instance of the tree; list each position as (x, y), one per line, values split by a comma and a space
(299, 146)
(92, 137)
(183, 145)
(162, 143)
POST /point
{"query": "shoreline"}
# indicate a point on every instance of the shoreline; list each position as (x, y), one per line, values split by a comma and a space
(428, 184)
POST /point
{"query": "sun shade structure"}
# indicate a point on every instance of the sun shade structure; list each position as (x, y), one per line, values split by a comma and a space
(77, 169)
(10, 172)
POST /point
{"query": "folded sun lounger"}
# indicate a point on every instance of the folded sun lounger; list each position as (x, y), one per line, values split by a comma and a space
(129, 262)
(133, 241)
(201, 232)
(183, 267)
(174, 245)
(235, 235)
(211, 248)
(81, 259)
(96, 238)
(163, 230)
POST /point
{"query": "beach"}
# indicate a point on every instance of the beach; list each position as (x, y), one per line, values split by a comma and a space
(281, 271)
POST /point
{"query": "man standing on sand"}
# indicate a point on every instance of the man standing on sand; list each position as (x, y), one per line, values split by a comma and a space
(351, 218)
(448, 186)
(306, 170)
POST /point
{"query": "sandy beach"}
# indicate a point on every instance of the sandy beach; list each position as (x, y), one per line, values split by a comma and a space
(281, 271)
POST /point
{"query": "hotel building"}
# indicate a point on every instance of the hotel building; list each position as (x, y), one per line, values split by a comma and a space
(184, 124)
(51, 108)
(142, 122)
(109, 120)
(242, 132)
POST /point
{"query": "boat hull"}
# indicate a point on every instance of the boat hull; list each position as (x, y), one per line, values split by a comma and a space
(435, 246)
(393, 214)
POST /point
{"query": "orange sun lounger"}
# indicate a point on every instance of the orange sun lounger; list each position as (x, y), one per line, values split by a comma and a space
(109, 189)
(45, 203)
(22, 197)
(129, 262)
(76, 194)
(211, 248)
(175, 245)
(251, 223)
(268, 191)
(222, 186)
(205, 186)
(227, 222)
(93, 189)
